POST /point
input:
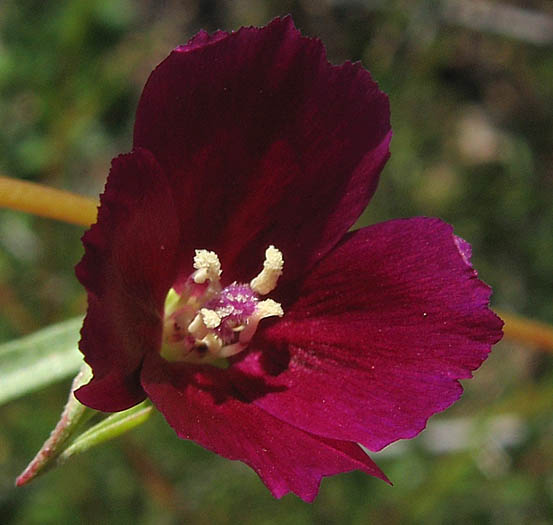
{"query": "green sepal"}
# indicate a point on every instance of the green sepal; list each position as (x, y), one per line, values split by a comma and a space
(64, 442)
(73, 416)
(111, 427)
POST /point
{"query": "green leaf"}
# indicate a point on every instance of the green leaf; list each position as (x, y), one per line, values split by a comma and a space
(39, 359)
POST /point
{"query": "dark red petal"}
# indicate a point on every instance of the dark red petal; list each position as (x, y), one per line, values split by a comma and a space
(201, 404)
(384, 327)
(127, 269)
(264, 142)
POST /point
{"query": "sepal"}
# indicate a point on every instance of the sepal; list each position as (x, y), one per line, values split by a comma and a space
(64, 442)
(73, 416)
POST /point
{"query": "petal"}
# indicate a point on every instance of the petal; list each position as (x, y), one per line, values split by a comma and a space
(201, 404)
(383, 329)
(264, 142)
(127, 269)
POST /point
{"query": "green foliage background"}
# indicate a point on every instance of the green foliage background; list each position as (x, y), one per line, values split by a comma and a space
(473, 118)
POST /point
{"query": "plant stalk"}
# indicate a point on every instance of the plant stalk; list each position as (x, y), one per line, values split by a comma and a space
(47, 202)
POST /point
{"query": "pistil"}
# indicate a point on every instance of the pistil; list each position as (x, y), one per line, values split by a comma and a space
(206, 322)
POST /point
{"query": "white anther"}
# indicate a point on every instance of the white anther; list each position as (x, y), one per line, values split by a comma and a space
(197, 327)
(207, 266)
(263, 309)
(268, 308)
(266, 281)
(210, 318)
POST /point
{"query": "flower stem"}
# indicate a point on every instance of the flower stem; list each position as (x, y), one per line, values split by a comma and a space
(528, 332)
(47, 202)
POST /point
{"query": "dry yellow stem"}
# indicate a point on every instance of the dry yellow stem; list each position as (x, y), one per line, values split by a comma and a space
(47, 202)
(75, 209)
(528, 332)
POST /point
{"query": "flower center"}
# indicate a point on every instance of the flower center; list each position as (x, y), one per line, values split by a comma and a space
(205, 322)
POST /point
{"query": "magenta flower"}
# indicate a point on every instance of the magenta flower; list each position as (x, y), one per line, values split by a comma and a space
(223, 283)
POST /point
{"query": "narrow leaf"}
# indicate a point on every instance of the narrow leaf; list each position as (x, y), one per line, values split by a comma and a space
(39, 359)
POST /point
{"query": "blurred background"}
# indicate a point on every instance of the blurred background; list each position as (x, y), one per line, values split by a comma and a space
(471, 90)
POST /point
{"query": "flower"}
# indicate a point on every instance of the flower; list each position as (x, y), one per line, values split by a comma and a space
(249, 147)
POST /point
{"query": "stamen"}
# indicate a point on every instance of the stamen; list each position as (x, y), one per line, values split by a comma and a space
(212, 343)
(207, 266)
(266, 281)
(268, 308)
(230, 350)
(210, 318)
(197, 327)
(205, 322)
